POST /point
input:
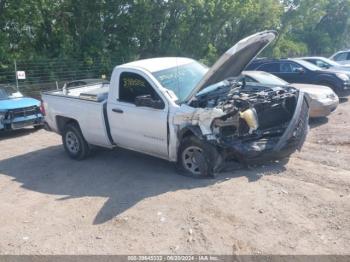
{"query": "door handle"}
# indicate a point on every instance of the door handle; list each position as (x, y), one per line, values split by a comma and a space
(117, 110)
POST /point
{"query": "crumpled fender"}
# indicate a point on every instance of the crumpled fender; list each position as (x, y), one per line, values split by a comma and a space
(193, 129)
(201, 117)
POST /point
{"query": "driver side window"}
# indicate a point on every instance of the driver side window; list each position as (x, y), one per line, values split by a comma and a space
(289, 68)
(321, 64)
(132, 85)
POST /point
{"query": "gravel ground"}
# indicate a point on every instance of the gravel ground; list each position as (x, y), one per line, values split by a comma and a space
(121, 202)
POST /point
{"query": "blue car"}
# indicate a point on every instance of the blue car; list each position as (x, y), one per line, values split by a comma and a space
(17, 111)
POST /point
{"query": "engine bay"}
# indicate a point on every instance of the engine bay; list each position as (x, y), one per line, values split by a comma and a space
(250, 110)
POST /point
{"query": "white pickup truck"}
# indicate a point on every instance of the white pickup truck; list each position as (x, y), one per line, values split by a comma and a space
(179, 110)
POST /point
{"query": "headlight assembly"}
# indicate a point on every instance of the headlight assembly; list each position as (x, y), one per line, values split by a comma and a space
(332, 96)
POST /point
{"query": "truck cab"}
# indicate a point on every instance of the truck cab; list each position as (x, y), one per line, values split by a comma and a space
(147, 96)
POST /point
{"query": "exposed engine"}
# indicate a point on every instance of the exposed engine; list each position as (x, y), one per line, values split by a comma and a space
(251, 110)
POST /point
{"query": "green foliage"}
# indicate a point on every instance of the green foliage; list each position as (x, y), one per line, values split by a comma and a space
(102, 33)
(289, 48)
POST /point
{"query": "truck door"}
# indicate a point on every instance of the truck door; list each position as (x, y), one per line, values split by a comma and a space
(140, 128)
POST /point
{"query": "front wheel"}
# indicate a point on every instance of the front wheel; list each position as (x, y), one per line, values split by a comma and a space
(74, 143)
(197, 158)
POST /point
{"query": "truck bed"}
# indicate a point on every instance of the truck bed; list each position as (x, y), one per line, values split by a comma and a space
(84, 104)
(96, 92)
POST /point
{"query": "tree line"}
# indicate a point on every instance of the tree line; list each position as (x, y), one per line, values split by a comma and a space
(108, 32)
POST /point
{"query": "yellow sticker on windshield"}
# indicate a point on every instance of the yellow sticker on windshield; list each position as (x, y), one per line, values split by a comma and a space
(131, 82)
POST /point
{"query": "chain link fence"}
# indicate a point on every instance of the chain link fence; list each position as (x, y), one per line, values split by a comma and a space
(49, 74)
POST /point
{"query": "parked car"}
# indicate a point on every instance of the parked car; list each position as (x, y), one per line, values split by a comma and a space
(17, 111)
(342, 57)
(300, 71)
(154, 107)
(323, 100)
(326, 63)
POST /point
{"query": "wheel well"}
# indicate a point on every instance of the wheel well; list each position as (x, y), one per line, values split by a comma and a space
(62, 121)
(326, 83)
(187, 133)
(190, 131)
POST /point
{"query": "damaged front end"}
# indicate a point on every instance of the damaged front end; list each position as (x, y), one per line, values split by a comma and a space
(250, 123)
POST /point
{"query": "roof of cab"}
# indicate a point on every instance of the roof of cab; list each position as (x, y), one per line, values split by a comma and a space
(158, 64)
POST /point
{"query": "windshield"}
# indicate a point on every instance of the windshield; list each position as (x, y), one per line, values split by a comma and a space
(308, 65)
(267, 79)
(182, 79)
(6, 92)
(330, 62)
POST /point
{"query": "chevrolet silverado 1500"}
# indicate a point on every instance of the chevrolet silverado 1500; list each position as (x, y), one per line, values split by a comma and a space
(179, 110)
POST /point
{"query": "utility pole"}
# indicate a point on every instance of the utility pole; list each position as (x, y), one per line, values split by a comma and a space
(16, 75)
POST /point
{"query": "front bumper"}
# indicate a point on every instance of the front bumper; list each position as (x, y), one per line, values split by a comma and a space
(277, 147)
(322, 108)
(20, 122)
(344, 90)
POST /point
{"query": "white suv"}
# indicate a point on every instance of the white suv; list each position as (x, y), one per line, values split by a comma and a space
(342, 57)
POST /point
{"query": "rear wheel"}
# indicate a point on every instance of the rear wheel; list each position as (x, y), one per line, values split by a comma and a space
(197, 158)
(74, 143)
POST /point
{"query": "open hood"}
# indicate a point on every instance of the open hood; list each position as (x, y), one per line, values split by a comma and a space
(235, 60)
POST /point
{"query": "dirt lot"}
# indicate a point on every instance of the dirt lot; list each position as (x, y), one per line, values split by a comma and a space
(120, 202)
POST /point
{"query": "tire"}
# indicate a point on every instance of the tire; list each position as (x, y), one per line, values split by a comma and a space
(37, 127)
(197, 158)
(74, 142)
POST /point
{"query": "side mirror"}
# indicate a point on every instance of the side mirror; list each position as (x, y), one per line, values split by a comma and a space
(148, 101)
(299, 70)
